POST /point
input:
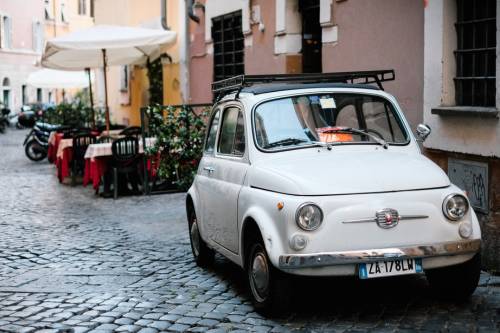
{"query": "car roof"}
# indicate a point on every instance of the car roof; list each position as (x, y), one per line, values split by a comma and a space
(267, 88)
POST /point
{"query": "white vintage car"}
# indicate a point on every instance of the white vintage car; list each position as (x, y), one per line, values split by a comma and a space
(309, 177)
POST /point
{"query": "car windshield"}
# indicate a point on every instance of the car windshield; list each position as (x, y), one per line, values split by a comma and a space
(327, 118)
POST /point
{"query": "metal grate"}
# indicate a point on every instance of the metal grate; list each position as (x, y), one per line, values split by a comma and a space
(476, 53)
(227, 36)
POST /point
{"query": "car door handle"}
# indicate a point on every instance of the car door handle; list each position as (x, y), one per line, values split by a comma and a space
(209, 169)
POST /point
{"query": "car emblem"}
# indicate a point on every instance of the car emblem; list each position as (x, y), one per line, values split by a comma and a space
(387, 218)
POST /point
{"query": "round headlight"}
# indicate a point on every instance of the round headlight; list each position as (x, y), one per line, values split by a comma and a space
(309, 216)
(455, 206)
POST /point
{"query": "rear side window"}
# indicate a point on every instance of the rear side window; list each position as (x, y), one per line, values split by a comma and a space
(232, 135)
(212, 133)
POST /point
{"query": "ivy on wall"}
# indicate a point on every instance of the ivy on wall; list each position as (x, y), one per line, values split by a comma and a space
(155, 76)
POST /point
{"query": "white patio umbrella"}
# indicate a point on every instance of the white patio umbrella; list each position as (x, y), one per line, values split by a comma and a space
(55, 79)
(102, 45)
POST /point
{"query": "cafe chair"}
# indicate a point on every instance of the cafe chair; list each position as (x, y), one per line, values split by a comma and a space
(132, 131)
(125, 160)
(80, 145)
(104, 139)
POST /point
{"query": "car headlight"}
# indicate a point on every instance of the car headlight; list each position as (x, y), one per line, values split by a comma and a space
(455, 206)
(309, 216)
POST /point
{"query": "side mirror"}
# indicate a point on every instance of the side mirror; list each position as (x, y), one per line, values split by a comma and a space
(423, 131)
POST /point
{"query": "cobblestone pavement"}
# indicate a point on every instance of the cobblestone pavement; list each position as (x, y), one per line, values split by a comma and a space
(70, 261)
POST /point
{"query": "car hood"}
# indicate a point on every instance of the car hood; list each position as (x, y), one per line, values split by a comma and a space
(322, 172)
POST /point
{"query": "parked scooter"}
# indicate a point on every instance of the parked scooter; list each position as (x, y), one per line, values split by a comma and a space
(4, 119)
(36, 144)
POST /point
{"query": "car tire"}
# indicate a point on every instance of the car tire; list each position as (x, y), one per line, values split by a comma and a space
(34, 151)
(203, 255)
(269, 287)
(456, 282)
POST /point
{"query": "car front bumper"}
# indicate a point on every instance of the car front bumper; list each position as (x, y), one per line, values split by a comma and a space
(299, 261)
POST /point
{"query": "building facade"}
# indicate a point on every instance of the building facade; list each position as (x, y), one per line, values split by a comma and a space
(296, 36)
(461, 101)
(128, 86)
(62, 17)
(21, 44)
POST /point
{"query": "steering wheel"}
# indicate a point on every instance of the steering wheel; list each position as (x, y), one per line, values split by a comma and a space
(370, 130)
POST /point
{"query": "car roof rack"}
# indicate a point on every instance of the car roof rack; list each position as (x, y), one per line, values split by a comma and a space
(237, 83)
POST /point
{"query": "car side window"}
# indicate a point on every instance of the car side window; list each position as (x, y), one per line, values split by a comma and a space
(232, 135)
(212, 133)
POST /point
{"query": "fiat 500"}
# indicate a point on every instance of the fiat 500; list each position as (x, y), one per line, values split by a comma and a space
(319, 178)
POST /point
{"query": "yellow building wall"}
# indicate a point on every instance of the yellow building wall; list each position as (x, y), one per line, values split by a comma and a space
(171, 84)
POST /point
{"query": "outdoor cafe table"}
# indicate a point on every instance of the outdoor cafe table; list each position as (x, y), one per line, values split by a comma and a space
(61, 148)
(97, 158)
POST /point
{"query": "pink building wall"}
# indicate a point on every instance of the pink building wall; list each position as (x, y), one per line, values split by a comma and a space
(18, 61)
(385, 34)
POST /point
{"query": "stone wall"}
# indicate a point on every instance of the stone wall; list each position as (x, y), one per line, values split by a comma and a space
(490, 223)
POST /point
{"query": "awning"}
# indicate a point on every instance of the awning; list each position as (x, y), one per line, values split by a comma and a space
(56, 79)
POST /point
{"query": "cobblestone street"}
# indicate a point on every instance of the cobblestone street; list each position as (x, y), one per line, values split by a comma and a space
(71, 261)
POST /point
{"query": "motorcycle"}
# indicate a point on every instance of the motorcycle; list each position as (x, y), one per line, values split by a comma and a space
(36, 144)
(4, 119)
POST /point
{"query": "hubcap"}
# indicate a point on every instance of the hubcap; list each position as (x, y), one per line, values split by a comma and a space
(260, 276)
(195, 238)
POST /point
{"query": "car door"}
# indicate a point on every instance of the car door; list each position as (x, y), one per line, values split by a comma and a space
(229, 166)
(206, 185)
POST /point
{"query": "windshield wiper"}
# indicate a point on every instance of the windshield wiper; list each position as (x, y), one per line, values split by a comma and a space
(375, 138)
(285, 142)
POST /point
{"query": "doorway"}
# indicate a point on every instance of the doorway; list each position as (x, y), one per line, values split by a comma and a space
(311, 36)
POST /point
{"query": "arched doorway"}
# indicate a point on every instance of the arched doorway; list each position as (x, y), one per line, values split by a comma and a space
(6, 93)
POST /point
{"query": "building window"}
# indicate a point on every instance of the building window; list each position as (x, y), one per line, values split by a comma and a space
(311, 36)
(39, 95)
(37, 37)
(227, 36)
(6, 92)
(124, 79)
(24, 95)
(63, 12)
(92, 8)
(476, 53)
(6, 29)
(82, 7)
(48, 10)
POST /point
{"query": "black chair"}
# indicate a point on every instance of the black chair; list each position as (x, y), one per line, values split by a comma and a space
(104, 139)
(132, 131)
(125, 160)
(80, 145)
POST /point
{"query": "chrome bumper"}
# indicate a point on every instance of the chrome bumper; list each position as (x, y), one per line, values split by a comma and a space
(291, 261)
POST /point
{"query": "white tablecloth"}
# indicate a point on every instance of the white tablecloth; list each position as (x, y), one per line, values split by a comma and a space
(68, 143)
(104, 149)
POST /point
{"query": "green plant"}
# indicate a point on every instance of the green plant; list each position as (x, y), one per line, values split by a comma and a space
(155, 76)
(75, 114)
(180, 134)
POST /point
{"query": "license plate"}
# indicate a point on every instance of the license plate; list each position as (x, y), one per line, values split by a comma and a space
(390, 268)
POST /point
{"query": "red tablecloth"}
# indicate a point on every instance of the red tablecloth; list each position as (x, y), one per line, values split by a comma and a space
(52, 153)
(63, 164)
(95, 168)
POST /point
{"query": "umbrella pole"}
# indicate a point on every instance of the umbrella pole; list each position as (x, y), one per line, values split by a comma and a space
(104, 61)
(91, 99)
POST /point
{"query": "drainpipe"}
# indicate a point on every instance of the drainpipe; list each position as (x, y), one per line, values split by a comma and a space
(190, 11)
(185, 58)
(163, 5)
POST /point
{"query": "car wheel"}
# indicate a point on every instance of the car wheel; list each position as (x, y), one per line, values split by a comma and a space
(456, 282)
(34, 151)
(202, 254)
(269, 287)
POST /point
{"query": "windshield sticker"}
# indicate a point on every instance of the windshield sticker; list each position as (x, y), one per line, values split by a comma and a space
(327, 103)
